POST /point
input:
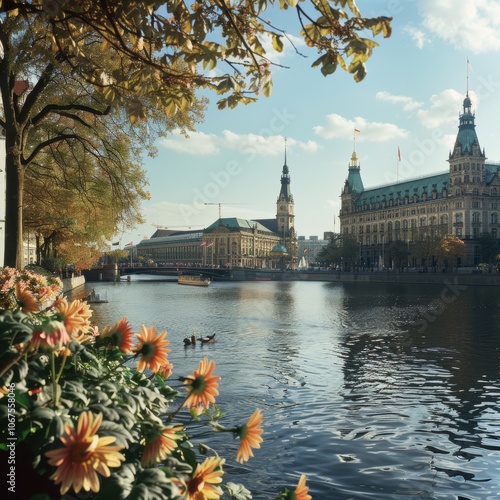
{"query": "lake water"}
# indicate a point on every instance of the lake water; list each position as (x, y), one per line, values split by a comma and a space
(374, 391)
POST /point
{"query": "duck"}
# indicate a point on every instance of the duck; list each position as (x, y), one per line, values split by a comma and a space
(190, 341)
(207, 339)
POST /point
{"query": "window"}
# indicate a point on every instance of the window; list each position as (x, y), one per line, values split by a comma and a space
(476, 218)
(494, 218)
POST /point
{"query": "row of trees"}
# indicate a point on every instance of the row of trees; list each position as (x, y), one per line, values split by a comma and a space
(344, 250)
(86, 87)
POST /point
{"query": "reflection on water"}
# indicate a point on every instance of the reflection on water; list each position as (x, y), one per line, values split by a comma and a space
(374, 391)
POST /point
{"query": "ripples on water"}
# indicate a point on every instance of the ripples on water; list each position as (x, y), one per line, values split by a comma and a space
(373, 391)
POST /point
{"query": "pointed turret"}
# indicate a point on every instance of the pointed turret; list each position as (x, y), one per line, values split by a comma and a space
(466, 160)
(354, 184)
(467, 143)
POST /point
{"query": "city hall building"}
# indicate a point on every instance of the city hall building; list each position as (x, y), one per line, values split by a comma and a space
(462, 201)
(232, 242)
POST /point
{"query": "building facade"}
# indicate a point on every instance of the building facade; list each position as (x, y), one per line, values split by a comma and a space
(463, 201)
(232, 242)
(309, 248)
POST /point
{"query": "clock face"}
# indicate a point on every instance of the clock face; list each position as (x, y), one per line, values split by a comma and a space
(282, 207)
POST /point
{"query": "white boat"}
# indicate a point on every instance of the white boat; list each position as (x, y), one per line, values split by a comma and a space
(193, 279)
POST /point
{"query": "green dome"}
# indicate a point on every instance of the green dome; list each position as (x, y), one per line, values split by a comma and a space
(279, 249)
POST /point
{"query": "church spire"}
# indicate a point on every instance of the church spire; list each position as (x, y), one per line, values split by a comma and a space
(285, 192)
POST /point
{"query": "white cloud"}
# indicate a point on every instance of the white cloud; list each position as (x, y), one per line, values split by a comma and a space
(417, 35)
(470, 25)
(408, 103)
(444, 108)
(342, 128)
(199, 143)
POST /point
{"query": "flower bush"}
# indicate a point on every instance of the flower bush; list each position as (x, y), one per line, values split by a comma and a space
(90, 412)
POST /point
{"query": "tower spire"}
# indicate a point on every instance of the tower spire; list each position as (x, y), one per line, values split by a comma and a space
(467, 77)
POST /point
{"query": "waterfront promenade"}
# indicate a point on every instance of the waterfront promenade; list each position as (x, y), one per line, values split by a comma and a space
(243, 274)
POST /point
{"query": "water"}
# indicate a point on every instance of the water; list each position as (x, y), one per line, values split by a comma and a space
(373, 391)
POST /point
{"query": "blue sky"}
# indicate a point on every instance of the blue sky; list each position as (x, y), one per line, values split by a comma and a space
(410, 99)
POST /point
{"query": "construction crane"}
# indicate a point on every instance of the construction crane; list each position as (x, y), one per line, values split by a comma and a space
(220, 206)
(174, 227)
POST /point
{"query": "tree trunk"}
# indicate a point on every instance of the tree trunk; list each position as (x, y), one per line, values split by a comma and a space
(14, 172)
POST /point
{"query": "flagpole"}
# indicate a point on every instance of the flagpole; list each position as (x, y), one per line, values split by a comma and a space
(398, 160)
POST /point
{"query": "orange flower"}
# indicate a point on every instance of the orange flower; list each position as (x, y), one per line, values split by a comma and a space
(166, 370)
(25, 299)
(51, 335)
(152, 349)
(83, 455)
(159, 444)
(202, 386)
(300, 493)
(121, 335)
(75, 315)
(201, 486)
(249, 435)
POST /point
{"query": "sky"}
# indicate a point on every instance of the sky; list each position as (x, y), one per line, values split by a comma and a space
(409, 102)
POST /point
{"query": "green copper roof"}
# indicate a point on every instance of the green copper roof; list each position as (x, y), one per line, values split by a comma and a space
(406, 188)
(279, 249)
(466, 136)
(354, 182)
(490, 169)
(235, 223)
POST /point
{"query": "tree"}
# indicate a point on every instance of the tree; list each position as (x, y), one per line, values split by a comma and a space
(76, 195)
(426, 242)
(398, 252)
(489, 247)
(350, 249)
(450, 249)
(331, 253)
(145, 57)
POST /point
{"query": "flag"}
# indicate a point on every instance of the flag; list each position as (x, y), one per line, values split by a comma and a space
(203, 244)
(115, 243)
(399, 154)
(129, 244)
(468, 64)
(356, 131)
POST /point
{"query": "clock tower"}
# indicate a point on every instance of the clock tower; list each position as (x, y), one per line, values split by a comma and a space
(285, 217)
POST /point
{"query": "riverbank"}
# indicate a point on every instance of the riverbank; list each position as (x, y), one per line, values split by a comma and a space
(368, 277)
(75, 286)
(244, 274)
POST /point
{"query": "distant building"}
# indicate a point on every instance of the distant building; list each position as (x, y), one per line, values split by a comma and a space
(310, 248)
(463, 201)
(232, 242)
